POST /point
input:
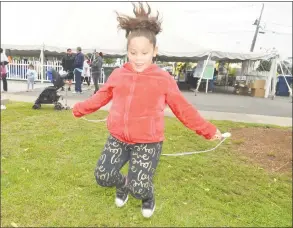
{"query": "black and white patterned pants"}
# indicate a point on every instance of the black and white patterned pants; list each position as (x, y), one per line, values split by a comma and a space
(143, 160)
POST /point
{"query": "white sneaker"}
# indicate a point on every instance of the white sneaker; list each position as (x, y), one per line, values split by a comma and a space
(120, 202)
(74, 92)
(148, 208)
(121, 197)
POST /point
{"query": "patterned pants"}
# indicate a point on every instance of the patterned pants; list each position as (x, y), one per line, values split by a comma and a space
(143, 160)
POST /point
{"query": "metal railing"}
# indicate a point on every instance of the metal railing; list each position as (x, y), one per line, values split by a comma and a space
(17, 70)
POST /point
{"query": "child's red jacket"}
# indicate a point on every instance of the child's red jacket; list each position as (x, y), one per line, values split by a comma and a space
(138, 103)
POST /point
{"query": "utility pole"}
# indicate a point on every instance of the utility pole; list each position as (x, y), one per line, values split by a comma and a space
(256, 30)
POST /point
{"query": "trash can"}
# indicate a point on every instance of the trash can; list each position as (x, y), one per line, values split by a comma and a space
(282, 88)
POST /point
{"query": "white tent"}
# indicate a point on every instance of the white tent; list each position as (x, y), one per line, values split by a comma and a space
(179, 53)
(215, 55)
(35, 50)
(193, 54)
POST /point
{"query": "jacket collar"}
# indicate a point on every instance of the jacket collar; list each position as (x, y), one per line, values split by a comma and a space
(151, 68)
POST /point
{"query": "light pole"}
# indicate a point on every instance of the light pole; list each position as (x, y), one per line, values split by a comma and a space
(257, 22)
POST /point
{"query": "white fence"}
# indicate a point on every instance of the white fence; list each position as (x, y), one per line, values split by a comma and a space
(17, 70)
(257, 75)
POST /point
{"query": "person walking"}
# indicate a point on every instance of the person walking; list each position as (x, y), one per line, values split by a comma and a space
(97, 70)
(67, 64)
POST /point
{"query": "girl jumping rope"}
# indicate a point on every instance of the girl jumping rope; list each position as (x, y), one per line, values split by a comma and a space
(139, 91)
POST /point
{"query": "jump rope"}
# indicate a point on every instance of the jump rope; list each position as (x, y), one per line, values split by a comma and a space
(224, 137)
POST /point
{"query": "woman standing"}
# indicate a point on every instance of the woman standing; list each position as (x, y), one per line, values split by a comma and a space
(4, 70)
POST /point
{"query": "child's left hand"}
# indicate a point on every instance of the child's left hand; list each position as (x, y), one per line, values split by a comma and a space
(217, 136)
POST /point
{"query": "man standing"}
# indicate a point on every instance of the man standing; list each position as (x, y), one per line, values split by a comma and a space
(97, 70)
(78, 67)
(67, 64)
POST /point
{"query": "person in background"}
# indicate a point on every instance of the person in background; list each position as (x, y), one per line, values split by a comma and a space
(194, 79)
(85, 76)
(9, 57)
(67, 64)
(89, 62)
(4, 70)
(97, 70)
(31, 76)
(78, 67)
(212, 82)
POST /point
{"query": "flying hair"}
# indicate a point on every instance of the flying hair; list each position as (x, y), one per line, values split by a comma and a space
(143, 24)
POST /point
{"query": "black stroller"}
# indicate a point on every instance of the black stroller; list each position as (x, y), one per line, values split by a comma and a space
(50, 95)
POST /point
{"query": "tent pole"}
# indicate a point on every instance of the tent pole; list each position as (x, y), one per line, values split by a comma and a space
(289, 88)
(227, 77)
(42, 63)
(271, 82)
(201, 75)
(207, 85)
(287, 70)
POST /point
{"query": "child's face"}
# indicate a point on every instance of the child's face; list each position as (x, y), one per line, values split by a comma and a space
(140, 53)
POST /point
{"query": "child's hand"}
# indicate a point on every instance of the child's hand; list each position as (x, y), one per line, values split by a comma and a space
(217, 136)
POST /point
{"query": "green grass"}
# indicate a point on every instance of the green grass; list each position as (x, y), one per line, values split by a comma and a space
(47, 178)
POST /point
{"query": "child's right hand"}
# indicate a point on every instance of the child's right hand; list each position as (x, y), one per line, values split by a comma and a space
(217, 136)
(75, 111)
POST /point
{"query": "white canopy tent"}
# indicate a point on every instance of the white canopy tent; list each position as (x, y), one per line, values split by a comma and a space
(164, 55)
(187, 53)
(35, 50)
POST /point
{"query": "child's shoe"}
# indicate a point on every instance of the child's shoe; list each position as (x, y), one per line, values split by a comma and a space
(121, 196)
(148, 207)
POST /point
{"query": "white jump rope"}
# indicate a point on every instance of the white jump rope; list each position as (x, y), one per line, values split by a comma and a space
(224, 137)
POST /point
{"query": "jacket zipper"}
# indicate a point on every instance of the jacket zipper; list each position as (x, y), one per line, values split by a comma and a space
(126, 133)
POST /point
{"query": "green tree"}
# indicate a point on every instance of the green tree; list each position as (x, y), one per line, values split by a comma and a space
(232, 71)
(109, 60)
(264, 65)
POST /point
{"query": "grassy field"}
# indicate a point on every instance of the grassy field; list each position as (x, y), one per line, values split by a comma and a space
(47, 178)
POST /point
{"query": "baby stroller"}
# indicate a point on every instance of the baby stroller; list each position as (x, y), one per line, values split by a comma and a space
(50, 95)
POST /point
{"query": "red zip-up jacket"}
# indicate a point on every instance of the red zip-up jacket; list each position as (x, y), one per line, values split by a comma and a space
(138, 103)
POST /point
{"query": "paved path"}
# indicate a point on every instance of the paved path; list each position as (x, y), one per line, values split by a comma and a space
(211, 106)
(280, 106)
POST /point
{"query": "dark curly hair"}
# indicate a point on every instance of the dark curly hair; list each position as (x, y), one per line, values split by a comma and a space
(140, 25)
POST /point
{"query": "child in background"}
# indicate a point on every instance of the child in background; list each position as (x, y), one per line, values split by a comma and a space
(139, 91)
(85, 75)
(31, 76)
